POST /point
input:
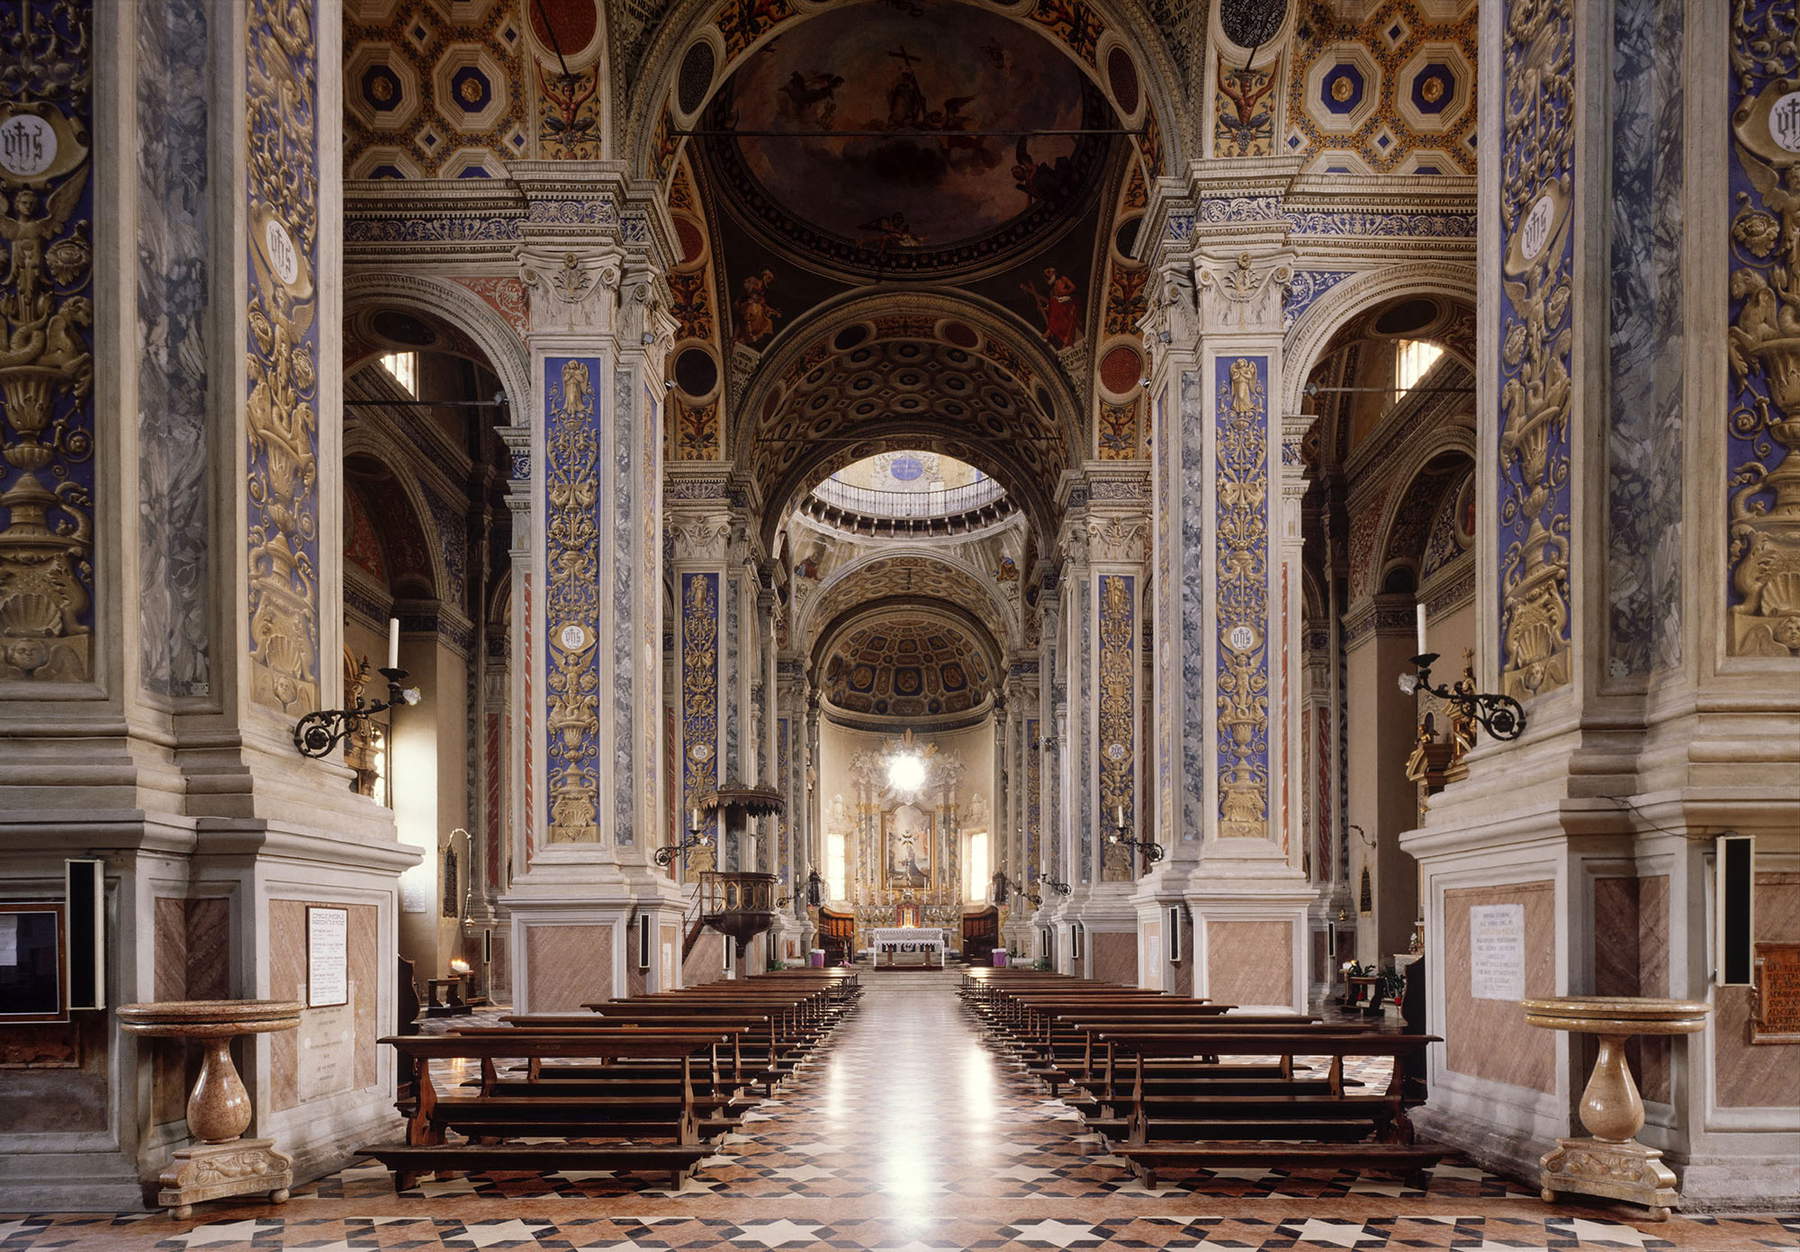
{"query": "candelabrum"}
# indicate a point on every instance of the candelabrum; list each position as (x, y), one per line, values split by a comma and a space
(320, 731)
(1121, 837)
(697, 837)
(1501, 716)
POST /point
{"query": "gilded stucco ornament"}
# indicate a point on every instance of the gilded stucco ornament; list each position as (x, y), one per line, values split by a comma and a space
(46, 368)
(281, 417)
(1242, 598)
(1764, 349)
(1537, 201)
(571, 546)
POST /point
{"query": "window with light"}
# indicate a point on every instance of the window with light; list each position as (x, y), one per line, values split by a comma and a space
(403, 368)
(835, 866)
(977, 873)
(1413, 359)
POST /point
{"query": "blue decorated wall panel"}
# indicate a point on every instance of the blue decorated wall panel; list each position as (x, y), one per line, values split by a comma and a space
(1762, 458)
(1537, 201)
(281, 414)
(574, 522)
(47, 583)
(1242, 502)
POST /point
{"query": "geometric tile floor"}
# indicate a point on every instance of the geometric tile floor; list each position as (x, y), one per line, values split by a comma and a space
(907, 1133)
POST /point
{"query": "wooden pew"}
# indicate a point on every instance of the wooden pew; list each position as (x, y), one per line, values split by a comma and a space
(494, 1112)
(1301, 1126)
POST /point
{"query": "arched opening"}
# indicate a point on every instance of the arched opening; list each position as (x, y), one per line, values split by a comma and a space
(1388, 525)
(427, 585)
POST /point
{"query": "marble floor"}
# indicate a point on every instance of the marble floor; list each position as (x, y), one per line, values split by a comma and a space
(907, 1132)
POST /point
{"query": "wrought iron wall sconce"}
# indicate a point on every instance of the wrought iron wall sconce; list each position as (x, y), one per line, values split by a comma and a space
(1121, 837)
(1057, 885)
(320, 731)
(1501, 716)
(697, 837)
(1002, 884)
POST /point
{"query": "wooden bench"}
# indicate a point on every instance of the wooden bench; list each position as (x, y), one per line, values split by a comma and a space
(1332, 1125)
(497, 1110)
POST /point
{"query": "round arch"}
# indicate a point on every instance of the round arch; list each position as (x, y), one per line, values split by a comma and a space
(1446, 440)
(998, 613)
(999, 339)
(1312, 333)
(652, 107)
(907, 612)
(371, 445)
(453, 303)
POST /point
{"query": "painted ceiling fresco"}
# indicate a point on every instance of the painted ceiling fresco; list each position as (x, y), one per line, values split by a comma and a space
(886, 103)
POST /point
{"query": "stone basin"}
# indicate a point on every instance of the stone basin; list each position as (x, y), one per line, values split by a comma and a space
(1617, 1015)
(208, 1019)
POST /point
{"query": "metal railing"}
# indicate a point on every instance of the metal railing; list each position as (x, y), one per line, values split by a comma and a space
(943, 502)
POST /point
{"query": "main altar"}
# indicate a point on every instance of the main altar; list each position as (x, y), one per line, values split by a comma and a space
(894, 942)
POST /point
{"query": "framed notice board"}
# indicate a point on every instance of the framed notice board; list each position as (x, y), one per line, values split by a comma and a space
(327, 956)
(33, 977)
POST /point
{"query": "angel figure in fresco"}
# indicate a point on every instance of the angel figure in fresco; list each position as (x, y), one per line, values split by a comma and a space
(1041, 181)
(810, 98)
(755, 315)
(1057, 306)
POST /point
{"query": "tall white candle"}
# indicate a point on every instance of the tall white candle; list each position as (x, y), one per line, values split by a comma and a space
(393, 643)
(1421, 651)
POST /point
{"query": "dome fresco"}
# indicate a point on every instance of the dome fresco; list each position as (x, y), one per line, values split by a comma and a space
(907, 667)
(895, 109)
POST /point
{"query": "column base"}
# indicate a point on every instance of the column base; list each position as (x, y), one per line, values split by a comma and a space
(570, 937)
(1617, 1171)
(213, 1171)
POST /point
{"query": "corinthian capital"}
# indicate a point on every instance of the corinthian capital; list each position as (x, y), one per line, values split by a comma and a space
(572, 292)
(1118, 539)
(705, 538)
(1244, 293)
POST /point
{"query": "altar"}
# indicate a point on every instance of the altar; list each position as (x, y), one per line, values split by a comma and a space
(897, 941)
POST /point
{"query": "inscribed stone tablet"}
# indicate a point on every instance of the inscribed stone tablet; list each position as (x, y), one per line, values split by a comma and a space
(1497, 952)
(1775, 1016)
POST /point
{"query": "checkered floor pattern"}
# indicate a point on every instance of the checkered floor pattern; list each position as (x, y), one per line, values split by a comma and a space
(909, 1132)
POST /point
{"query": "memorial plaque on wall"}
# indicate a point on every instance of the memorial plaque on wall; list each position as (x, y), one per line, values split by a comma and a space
(327, 957)
(1775, 994)
(1497, 952)
(327, 1051)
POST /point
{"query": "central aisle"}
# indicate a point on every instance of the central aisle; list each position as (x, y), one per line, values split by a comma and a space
(907, 1132)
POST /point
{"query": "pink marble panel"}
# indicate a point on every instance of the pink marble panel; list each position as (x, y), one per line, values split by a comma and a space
(1250, 962)
(568, 966)
(192, 962)
(1763, 1074)
(287, 981)
(1631, 958)
(1489, 1038)
(704, 963)
(1113, 956)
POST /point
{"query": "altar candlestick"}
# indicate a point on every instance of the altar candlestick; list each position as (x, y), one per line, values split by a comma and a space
(393, 643)
(1421, 619)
